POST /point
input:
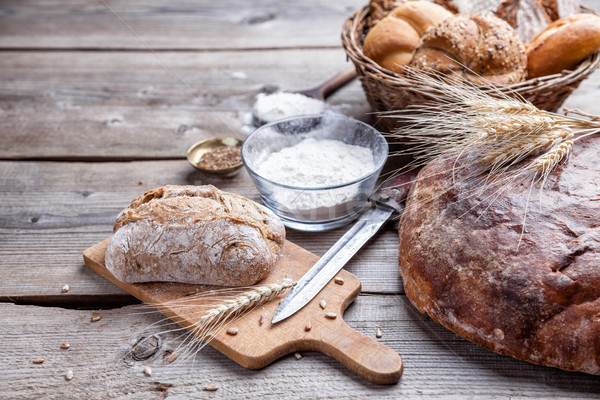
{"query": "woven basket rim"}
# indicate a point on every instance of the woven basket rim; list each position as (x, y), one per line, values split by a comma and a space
(352, 43)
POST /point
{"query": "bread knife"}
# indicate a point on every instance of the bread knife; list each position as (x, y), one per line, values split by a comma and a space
(385, 202)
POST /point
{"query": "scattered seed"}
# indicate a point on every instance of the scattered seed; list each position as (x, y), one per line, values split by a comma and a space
(65, 346)
(338, 280)
(307, 327)
(65, 288)
(95, 318)
(298, 356)
(323, 304)
(211, 388)
(378, 333)
(141, 182)
(69, 375)
(172, 358)
(232, 331)
(148, 371)
(331, 315)
(163, 387)
(38, 361)
(261, 319)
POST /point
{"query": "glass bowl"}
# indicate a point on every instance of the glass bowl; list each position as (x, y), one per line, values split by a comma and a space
(313, 208)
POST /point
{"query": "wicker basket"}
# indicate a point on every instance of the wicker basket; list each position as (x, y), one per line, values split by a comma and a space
(387, 91)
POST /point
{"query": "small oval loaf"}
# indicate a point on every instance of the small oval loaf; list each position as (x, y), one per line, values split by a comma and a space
(476, 47)
(393, 40)
(562, 45)
(194, 234)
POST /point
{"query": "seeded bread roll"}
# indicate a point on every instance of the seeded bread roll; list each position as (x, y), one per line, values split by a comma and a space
(475, 47)
(527, 17)
(392, 41)
(566, 42)
(194, 234)
(460, 263)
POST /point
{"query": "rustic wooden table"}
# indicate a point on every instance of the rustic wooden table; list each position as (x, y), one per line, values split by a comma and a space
(98, 103)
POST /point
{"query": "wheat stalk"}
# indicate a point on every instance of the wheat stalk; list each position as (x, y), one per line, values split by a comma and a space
(205, 314)
(490, 132)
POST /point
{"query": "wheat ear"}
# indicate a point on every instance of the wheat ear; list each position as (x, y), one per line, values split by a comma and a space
(206, 314)
(489, 129)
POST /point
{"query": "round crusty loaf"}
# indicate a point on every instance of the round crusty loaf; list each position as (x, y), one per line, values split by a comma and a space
(476, 47)
(460, 264)
(194, 234)
(391, 43)
(562, 45)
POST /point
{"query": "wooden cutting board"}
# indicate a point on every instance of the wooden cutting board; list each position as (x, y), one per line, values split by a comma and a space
(257, 345)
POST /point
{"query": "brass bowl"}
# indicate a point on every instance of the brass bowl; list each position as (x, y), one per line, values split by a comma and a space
(197, 150)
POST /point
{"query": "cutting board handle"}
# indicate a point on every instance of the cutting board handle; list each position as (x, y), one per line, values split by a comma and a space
(363, 355)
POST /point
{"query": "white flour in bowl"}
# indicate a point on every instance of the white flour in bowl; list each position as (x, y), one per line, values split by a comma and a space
(317, 163)
(275, 106)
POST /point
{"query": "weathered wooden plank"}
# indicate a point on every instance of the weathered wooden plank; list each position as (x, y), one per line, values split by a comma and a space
(114, 105)
(99, 106)
(50, 212)
(438, 364)
(163, 24)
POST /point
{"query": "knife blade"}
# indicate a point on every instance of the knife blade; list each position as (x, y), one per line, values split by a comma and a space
(385, 202)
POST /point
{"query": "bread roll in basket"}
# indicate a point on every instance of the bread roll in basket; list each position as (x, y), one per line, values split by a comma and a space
(389, 91)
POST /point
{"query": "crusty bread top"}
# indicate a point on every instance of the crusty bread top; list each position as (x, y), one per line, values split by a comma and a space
(392, 41)
(473, 46)
(421, 15)
(186, 204)
(563, 44)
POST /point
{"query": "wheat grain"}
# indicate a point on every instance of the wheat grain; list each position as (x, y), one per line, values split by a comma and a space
(232, 331)
(69, 375)
(331, 315)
